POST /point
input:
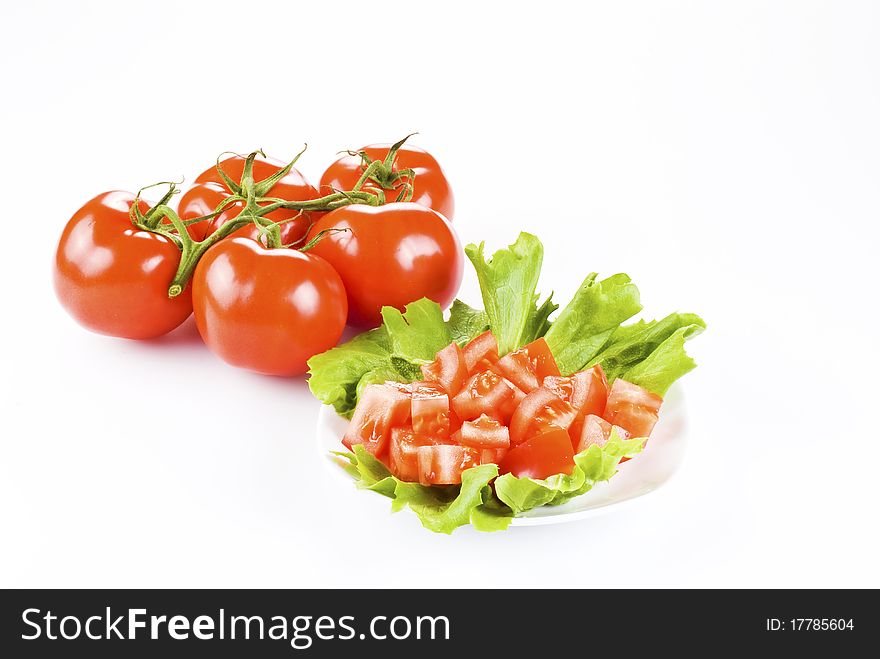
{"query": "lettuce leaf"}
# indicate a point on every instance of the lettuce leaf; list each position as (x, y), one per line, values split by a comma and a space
(465, 322)
(597, 463)
(440, 509)
(507, 283)
(419, 333)
(667, 363)
(588, 321)
(650, 353)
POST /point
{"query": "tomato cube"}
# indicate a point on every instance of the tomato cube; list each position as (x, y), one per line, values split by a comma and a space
(528, 366)
(632, 407)
(381, 407)
(442, 464)
(541, 456)
(540, 411)
(448, 369)
(597, 430)
(484, 433)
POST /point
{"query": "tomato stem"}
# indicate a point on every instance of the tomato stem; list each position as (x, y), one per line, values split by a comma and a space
(253, 196)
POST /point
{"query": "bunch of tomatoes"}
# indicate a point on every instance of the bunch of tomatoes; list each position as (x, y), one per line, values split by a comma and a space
(271, 266)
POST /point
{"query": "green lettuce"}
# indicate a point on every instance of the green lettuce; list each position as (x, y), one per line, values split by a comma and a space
(597, 463)
(465, 322)
(507, 283)
(651, 353)
(586, 323)
(441, 509)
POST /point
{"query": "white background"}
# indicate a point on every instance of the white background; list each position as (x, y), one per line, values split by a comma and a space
(725, 155)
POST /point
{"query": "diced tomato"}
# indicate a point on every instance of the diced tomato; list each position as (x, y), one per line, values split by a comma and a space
(485, 432)
(448, 368)
(540, 411)
(632, 407)
(485, 346)
(430, 409)
(541, 456)
(484, 393)
(381, 407)
(597, 430)
(404, 457)
(528, 366)
(442, 464)
(492, 455)
(587, 392)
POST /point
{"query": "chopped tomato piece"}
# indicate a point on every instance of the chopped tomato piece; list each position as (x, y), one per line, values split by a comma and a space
(492, 455)
(485, 346)
(404, 457)
(632, 407)
(597, 430)
(485, 392)
(442, 464)
(540, 411)
(541, 456)
(528, 366)
(381, 407)
(430, 409)
(448, 369)
(587, 392)
(485, 432)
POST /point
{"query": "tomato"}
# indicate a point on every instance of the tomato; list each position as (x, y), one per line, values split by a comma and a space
(540, 411)
(430, 409)
(267, 310)
(430, 188)
(492, 455)
(112, 277)
(632, 407)
(210, 189)
(528, 366)
(391, 255)
(381, 407)
(483, 393)
(404, 457)
(447, 369)
(541, 456)
(485, 432)
(483, 347)
(587, 392)
(442, 464)
(596, 430)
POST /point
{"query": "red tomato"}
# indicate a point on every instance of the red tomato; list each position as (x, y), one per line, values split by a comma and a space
(484, 393)
(540, 411)
(442, 464)
(430, 188)
(541, 456)
(587, 392)
(492, 455)
(447, 369)
(632, 407)
(430, 409)
(485, 432)
(483, 347)
(381, 407)
(112, 277)
(404, 457)
(392, 255)
(209, 190)
(597, 430)
(267, 310)
(528, 366)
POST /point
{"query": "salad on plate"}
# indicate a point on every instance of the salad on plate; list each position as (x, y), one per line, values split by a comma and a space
(480, 416)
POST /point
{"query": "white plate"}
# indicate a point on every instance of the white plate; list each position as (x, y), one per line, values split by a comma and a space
(644, 473)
